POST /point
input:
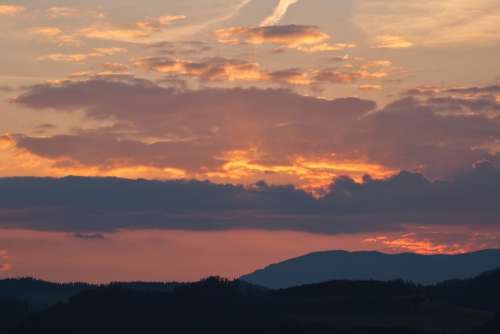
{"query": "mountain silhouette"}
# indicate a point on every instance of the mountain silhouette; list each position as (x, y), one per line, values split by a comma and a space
(343, 265)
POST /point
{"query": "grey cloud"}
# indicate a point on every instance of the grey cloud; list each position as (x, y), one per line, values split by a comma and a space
(492, 89)
(181, 48)
(89, 236)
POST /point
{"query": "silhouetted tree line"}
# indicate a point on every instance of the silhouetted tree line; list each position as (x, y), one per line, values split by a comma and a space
(217, 305)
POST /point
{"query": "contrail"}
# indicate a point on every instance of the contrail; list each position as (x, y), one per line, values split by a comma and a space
(278, 13)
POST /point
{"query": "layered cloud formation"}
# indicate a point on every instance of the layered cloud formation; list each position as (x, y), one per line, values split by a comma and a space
(247, 134)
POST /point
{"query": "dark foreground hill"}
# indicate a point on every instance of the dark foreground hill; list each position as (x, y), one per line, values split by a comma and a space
(219, 306)
(37, 293)
(338, 265)
(41, 294)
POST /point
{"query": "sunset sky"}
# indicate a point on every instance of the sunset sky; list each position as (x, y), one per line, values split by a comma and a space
(260, 130)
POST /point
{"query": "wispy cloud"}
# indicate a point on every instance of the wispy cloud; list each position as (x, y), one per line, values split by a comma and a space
(430, 23)
(190, 30)
(140, 30)
(392, 42)
(80, 57)
(59, 12)
(55, 34)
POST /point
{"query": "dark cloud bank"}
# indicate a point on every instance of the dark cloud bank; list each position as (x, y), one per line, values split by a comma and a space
(89, 206)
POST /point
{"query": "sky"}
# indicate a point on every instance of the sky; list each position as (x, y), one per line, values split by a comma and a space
(172, 140)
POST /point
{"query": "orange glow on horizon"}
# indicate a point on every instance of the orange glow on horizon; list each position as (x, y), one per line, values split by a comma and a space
(312, 174)
(5, 266)
(407, 242)
(428, 240)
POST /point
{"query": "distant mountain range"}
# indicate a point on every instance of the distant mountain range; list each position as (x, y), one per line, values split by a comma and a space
(343, 265)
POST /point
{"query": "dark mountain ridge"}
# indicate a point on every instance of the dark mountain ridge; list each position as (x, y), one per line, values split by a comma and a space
(342, 265)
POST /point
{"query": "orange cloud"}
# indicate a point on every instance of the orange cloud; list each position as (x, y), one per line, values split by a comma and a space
(214, 69)
(66, 57)
(392, 42)
(333, 75)
(109, 51)
(377, 63)
(11, 10)
(223, 69)
(46, 31)
(302, 38)
(292, 76)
